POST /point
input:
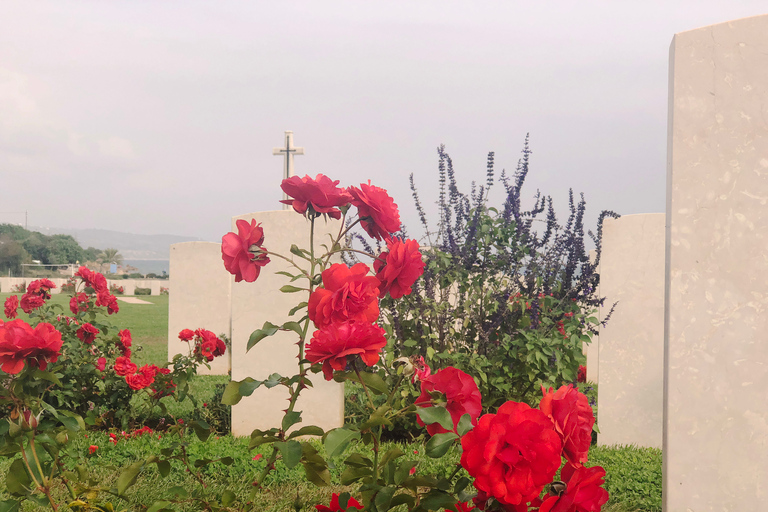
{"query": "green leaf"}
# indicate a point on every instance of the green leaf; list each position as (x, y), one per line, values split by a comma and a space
(17, 481)
(163, 467)
(384, 498)
(391, 454)
(439, 444)
(298, 307)
(128, 477)
(158, 505)
(374, 383)
(465, 424)
(309, 430)
(45, 375)
(10, 506)
(178, 492)
(227, 461)
(358, 461)
(337, 440)
(248, 386)
(291, 452)
(315, 467)
(202, 429)
(436, 499)
(293, 326)
(268, 329)
(66, 416)
(301, 253)
(439, 415)
(291, 418)
(352, 474)
(273, 380)
(403, 470)
(227, 498)
(231, 394)
(291, 289)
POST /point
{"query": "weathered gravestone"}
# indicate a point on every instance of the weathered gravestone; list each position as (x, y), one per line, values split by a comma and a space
(716, 316)
(261, 301)
(631, 353)
(200, 298)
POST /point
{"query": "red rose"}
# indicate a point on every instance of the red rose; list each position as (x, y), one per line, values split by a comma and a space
(572, 416)
(242, 252)
(398, 268)
(78, 303)
(421, 369)
(334, 506)
(41, 287)
(125, 338)
(348, 294)
(332, 344)
(581, 376)
(87, 333)
(512, 454)
(186, 334)
(207, 348)
(30, 302)
(583, 491)
(101, 363)
(92, 449)
(93, 279)
(143, 378)
(124, 366)
(377, 211)
(11, 307)
(20, 343)
(316, 196)
(461, 394)
(107, 300)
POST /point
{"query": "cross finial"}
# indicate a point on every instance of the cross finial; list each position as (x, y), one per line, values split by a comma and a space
(288, 151)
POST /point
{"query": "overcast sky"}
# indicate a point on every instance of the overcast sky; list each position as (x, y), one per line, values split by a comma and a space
(160, 116)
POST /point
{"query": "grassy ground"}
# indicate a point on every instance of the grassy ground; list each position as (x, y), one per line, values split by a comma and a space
(633, 474)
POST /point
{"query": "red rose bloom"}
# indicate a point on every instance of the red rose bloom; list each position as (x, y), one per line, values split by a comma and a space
(583, 492)
(138, 381)
(512, 454)
(460, 392)
(87, 333)
(125, 338)
(11, 307)
(398, 268)
(581, 376)
(78, 303)
(377, 211)
(124, 366)
(334, 505)
(316, 196)
(186, 334)
(93, 279)
(109, 301)
(30, 302)
(332, 345)
(209, 345)
(572, 416)
(348, 294)
(101, 363)
(92, 449)
(242, 252)
(41, 287)
(20, 343)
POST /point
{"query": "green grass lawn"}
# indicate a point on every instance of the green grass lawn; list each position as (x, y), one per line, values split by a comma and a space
(633, 474)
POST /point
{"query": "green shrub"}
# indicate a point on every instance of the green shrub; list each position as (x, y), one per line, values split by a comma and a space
(506, 296)
(142, 291)
(633, 475)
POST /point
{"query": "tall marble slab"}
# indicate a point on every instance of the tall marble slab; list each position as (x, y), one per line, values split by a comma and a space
(716, 316)
(200, 298)
(261, 301)
(631, 350)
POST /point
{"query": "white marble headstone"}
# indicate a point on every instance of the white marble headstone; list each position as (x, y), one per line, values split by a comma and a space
(716, 333)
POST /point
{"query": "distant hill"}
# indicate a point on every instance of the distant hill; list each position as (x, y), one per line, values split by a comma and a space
(131, 246)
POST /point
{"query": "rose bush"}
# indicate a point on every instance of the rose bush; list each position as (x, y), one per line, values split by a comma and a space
(509, 456)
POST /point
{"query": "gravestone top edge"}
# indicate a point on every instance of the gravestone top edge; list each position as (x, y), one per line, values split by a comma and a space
(718, 24)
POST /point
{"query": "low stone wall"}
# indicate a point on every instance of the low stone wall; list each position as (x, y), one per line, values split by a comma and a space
(129, 285)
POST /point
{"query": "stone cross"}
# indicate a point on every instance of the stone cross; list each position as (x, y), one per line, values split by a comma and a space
(288, 151)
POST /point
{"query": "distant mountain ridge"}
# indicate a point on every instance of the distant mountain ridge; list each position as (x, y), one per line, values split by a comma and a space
(131, 246)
